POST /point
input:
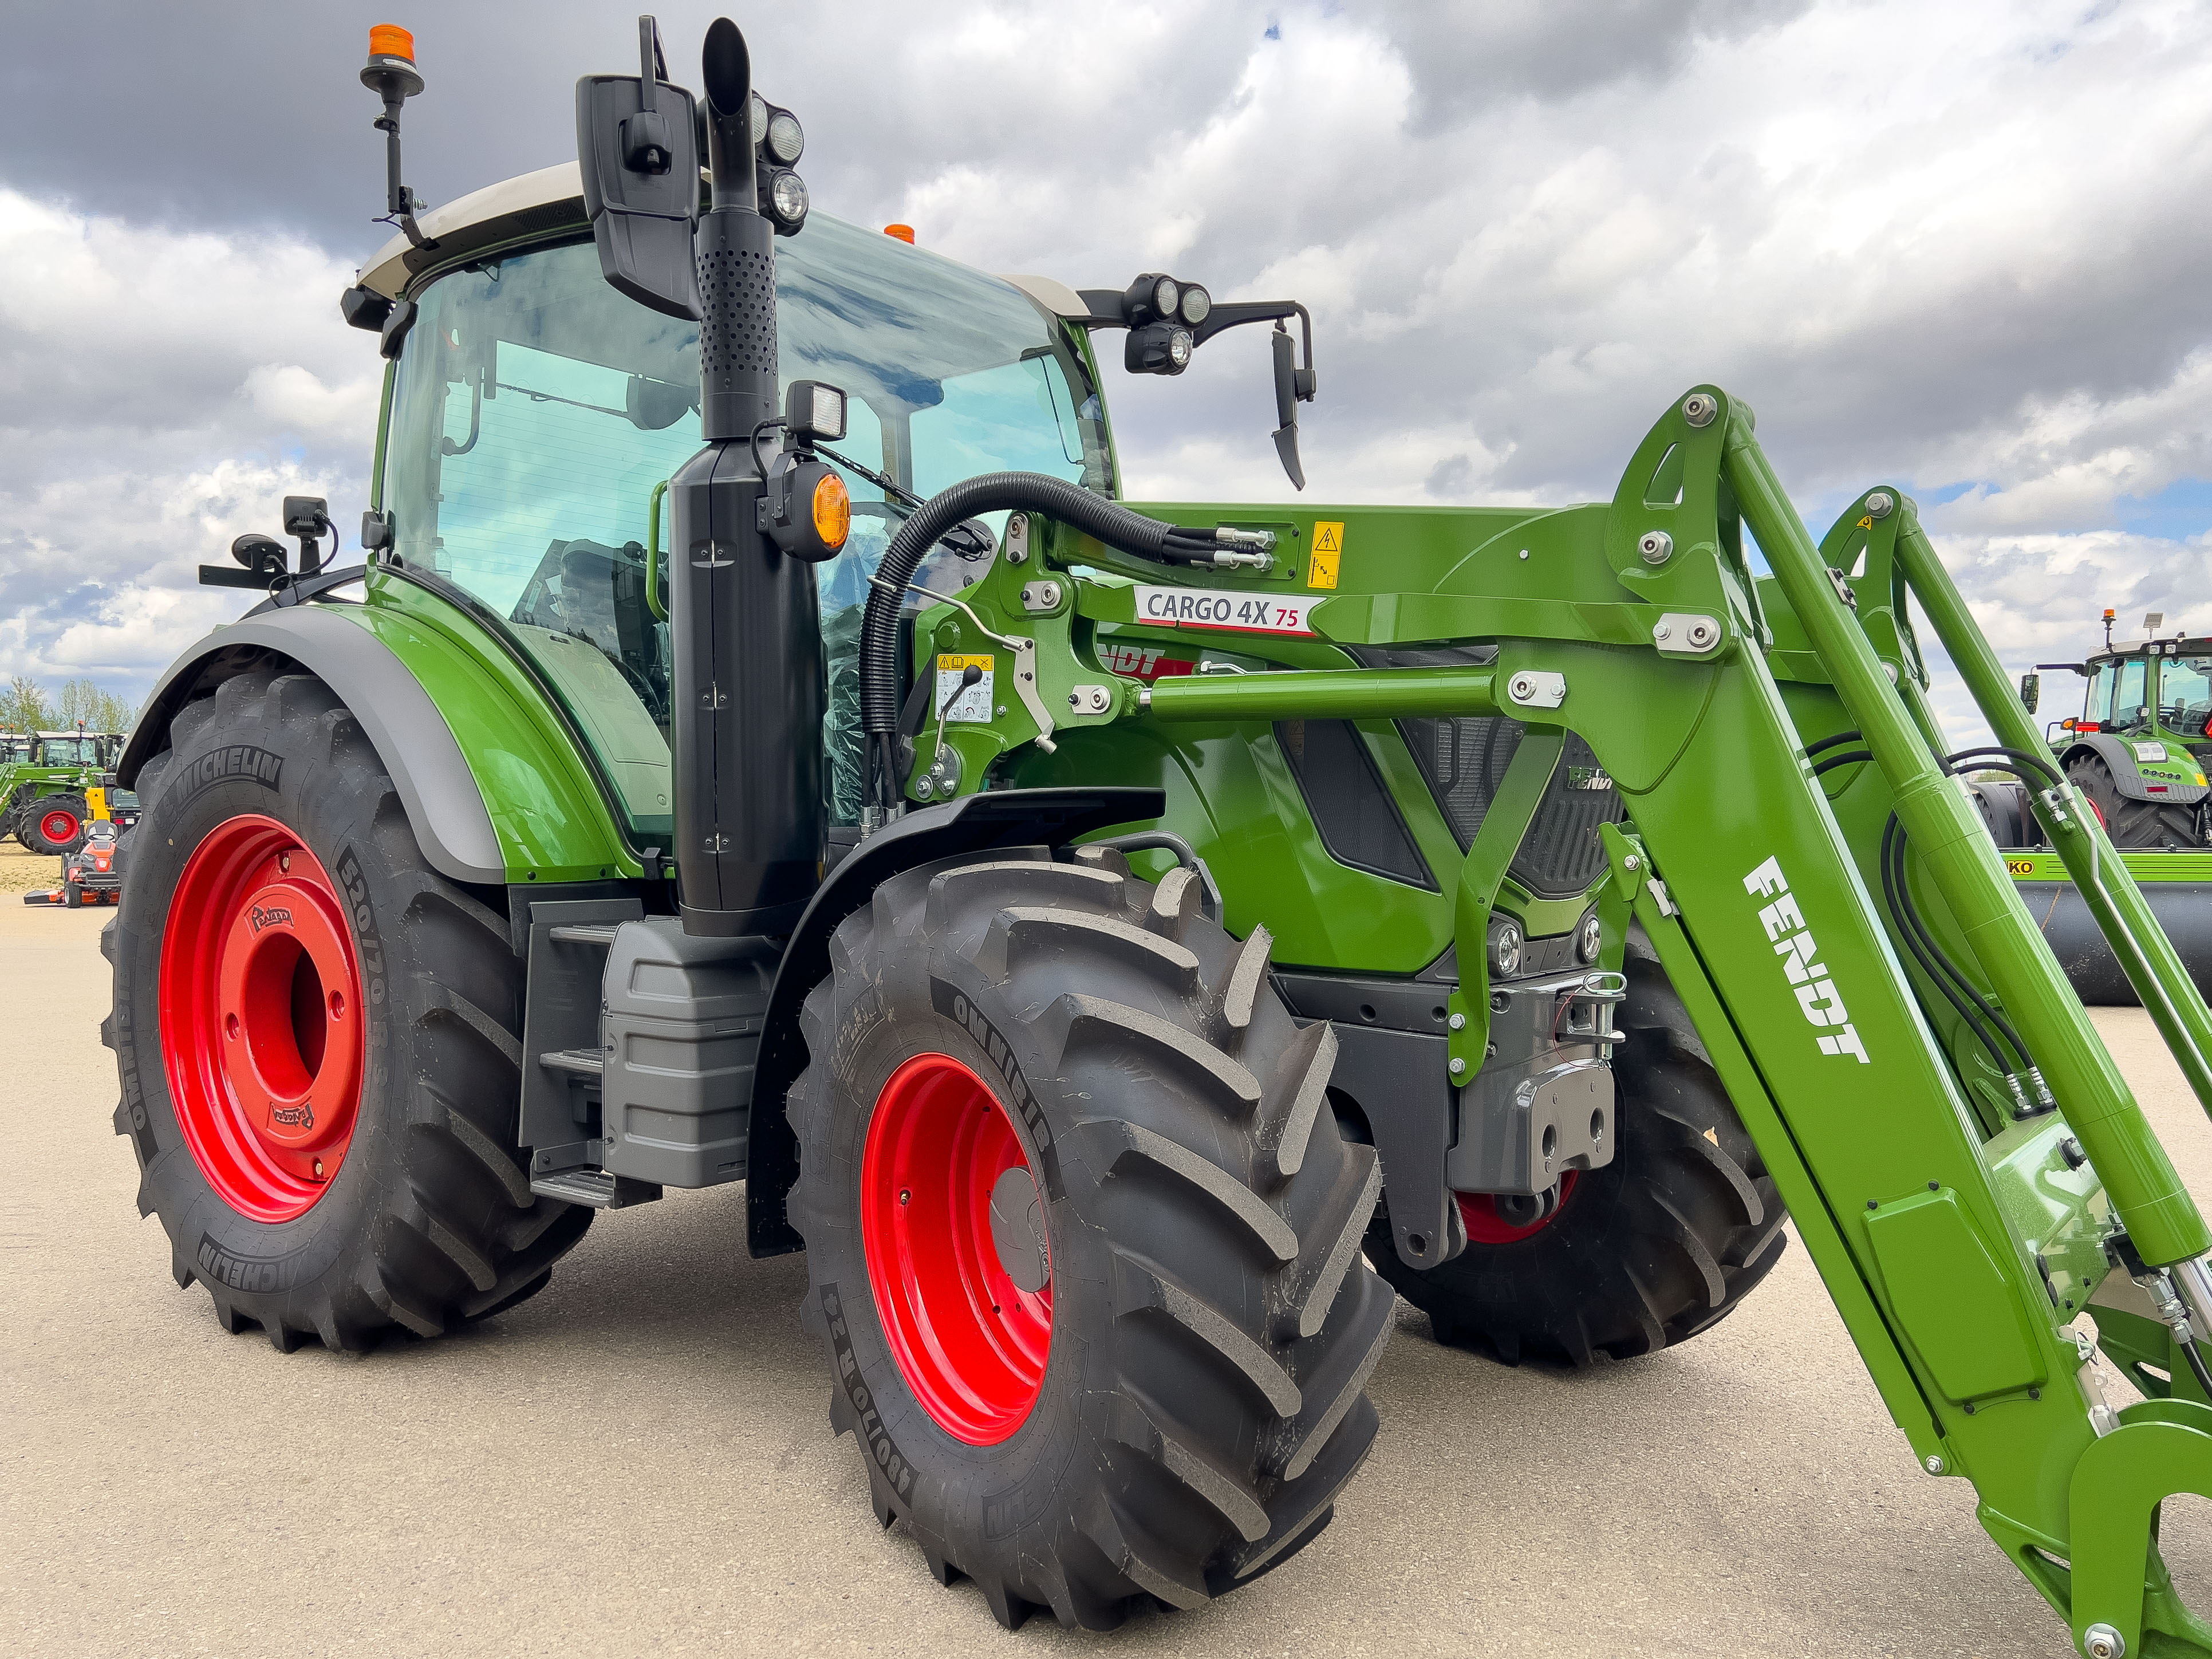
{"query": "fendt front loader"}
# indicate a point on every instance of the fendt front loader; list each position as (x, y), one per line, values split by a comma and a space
(1106, 940)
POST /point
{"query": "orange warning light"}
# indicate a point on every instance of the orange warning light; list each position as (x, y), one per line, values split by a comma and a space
(833, 511)
(2108, 613)
(389, 40)
(905, 233)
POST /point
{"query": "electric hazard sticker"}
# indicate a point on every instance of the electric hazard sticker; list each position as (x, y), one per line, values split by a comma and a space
(1328, 549)
(1197, 607)
(972, 706)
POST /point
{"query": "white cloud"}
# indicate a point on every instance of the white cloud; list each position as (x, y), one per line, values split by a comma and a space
(160, 394)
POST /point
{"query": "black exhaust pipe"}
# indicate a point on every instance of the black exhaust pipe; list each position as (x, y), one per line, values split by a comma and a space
(746, 734)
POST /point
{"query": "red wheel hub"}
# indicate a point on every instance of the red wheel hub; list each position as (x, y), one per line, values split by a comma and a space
(1485, 1225)
(261, 1018)
(58, 825)
(969, 1340)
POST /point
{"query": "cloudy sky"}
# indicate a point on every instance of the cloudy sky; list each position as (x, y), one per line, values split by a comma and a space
(1961, 248)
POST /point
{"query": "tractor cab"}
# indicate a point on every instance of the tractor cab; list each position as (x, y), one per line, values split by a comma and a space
(537, 414)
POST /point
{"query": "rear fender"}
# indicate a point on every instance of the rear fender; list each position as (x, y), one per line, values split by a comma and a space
(445, 807)
(972, 823)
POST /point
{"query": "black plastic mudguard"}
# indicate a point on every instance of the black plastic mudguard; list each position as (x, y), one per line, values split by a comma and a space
(974, 823)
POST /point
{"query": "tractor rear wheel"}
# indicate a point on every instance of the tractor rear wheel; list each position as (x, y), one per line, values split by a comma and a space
(318, 1037)
(1661, 1243)
(1083, 1248)
(2131, 823)
(54, 824)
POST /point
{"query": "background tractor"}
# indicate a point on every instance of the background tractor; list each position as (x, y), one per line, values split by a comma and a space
(44, 776)
(759, 745)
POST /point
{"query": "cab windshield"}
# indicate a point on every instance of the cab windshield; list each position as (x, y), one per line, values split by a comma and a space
(536, 409)
(2184, 695)
(69, 752)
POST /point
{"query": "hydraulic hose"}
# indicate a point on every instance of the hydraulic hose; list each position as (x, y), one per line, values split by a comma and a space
(993, 492)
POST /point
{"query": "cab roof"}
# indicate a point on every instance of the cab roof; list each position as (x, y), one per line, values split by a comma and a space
(546, 202)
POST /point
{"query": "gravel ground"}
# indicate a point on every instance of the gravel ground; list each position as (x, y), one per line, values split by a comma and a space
(638, 1461)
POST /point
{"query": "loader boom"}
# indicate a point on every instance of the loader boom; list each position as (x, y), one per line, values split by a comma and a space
(1963, 1242)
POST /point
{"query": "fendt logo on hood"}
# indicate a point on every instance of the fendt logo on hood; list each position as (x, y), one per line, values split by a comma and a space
(1816, 991)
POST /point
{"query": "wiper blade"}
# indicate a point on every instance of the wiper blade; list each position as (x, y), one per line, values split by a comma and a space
(892, 493)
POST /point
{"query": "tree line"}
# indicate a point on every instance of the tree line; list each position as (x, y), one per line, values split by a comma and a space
(26, 705)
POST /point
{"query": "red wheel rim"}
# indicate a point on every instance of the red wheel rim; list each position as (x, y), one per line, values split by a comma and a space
(969, 1342)
(1485, 1225)
(260, 1016)
(58, 826)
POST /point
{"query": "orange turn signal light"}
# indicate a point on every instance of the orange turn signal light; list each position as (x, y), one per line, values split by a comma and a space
(905, 233)
(389, 40)
(833, 510)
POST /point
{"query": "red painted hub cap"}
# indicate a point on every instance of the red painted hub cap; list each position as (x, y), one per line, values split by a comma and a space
(58, 825)
(261, 1018)
(971, 1341)
(1485, 1225)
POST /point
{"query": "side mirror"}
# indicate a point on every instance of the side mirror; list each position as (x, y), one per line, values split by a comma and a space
(1286, 404)
(2030, 692)
(637, 143)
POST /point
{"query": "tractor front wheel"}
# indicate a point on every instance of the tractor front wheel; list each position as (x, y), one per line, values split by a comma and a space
(54, 824)
(318, 1037)
(1661, 1243)
(1083, 1243)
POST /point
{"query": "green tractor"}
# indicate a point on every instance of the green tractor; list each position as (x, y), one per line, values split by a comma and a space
(2139, 748)
(2137, 753)
(1120, 947)
(44, 776)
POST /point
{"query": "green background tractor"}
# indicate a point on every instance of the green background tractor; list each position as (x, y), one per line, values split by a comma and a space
(1119, 947)
(43, 779)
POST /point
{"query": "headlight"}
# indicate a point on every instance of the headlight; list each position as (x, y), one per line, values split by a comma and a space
(760, 119)
(1196, 304)
(1505, 948)
(787, 198)
(1166, 293)
(1179, 348)
(786, 141)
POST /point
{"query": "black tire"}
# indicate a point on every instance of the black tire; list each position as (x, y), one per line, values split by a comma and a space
(1663, 1242)
(72, 896)
(1212, 1325)
(30, 830)
(428, 1220)
(2137, 823)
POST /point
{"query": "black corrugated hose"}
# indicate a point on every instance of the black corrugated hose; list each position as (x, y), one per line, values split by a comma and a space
(993, 492)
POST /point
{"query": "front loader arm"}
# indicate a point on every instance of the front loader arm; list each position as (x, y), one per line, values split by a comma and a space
(1963, 1254)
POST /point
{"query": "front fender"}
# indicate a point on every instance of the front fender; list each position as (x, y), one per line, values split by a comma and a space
(2176, 778)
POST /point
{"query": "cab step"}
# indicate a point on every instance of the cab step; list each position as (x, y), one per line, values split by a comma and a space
(594, 1188)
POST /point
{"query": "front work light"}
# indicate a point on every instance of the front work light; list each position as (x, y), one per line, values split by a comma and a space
(1196, 304)
(1162, 348)
(787, 201)
(814, 411)
(786, 141)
